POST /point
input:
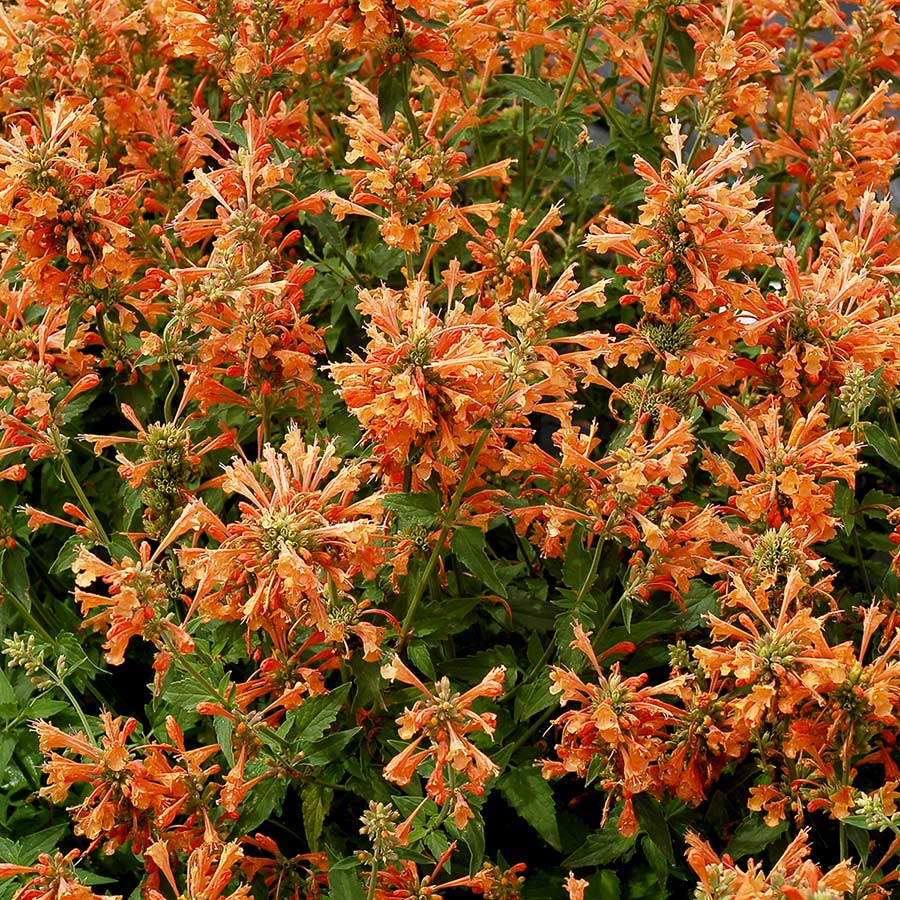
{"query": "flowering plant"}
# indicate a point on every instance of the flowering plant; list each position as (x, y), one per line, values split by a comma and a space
(449, 448)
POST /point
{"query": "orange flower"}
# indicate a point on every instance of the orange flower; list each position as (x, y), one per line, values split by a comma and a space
(138, 604)
(300, 535)
(792, 475)
(424, 384)
(619, 721)
(414, 186)
(825, 323)
(694, 229)
(54, 878)
(210, 872)
(794, 875)
(445, 719)
(118, 808)
(838, 157)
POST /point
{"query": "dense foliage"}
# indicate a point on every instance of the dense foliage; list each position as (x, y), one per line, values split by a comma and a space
(449, 449)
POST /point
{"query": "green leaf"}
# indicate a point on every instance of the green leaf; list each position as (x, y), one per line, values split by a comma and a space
(344, 883)
(651, 819)
(536, 92)
(473, 836)
(534, 698)
(419, 654)
(8, 743)
(68, 553)
(601, 848)
(8, 703)
(425, 23)
(531, 797)
(413, 509)
(700, 600)
(657, 859)
(264, 800)
(881, 444)
(13, 574)
(310, 721)
(328, 749)
(43, 841)
(315, 803)
(224, 727)
(752, 836)
(859, 837)
(391, 91)
(577, 562)
(684, 43)
(468, 545)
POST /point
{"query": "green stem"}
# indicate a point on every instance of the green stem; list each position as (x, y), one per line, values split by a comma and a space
(88, 731)
(657, 67)
(560, 106)
(455, 503)
(373, 881)
(592, 571)
(893, 418)
(102, 536)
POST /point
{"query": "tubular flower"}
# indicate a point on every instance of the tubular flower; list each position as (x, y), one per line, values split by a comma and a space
(792, 472)
(424, 384)
(53, 878)
(726, 85)
(169, 464)
(694, 230)
(445, 719)
(838, 157)
(629, 492)
(794, 875)
(138, 602)
(69, 217)
(823, 325)
(299, 536)
(412, 186)
(211, 869)
(119, 806)
(619, 720)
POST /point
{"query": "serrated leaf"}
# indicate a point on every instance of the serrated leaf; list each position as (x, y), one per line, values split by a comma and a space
(538, 93)
(8, 703)
(314, 809)
(329, 748)
(577, 562)
(468, 545)
(68, 553)
(859, 837)
(600, 848)
(413, 509)
(753, 835)
(881, 444)
(657, 859)
(8, 743)
(13, 574)
(44, 707)
(344, 884)
(526, 791)
(534, 698)
(224, 728)
(43, 841)
(419, 654)
(310, 721)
